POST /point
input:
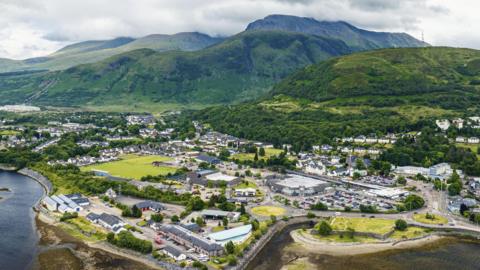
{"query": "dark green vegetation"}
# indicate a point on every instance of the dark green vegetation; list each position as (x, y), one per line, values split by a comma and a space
(383, 91)
(126, 239)
(244, 66)
(358, 39)
(97, 50)
(429, 149)
(160, 72)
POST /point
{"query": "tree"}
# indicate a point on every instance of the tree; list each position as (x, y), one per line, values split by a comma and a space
(324, 228)
(255, 158)
(368, 208)
(401, 225)
(157, 217)
(463, 208)
(175, 219)
(310, 215)
(230, 247)
(261, 152)
(319, 206)
(401, 180)
(200, 222)
(273, 219)
(195, 204)
(242, 209)
(224, 154)
(454, 188)
(413, 201)
(137, 213)
(225, 221)
(111, 237)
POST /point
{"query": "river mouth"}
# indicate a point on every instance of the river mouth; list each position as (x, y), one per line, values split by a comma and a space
(18, 241)
(446, 253)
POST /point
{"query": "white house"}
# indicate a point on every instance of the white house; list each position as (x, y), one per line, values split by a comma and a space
(245, 192)
(443, 124)
(174, 253)
(473, 140)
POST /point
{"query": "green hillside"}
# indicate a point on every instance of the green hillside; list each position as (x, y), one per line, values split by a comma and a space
(98, 50)
(372, 92)
(242, 67)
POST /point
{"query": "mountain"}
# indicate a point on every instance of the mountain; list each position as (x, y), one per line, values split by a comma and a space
(381, 91)
(98, 50)
(354, 37)
(242, 67)
(186, 69)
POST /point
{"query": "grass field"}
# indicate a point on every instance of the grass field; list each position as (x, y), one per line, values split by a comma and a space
(410, 232)
(368, 225)
(267, 211)
(82, 229)
(246, 184)
(8, 132)
(250, 156)
(133, 167)
(436, 220)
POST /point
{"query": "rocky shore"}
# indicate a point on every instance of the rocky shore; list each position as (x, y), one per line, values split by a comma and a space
(344, 249)
(59, 250)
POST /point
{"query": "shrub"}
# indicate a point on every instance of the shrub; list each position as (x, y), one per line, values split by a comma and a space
(401, 225)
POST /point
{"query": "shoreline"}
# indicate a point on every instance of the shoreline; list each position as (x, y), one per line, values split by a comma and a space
(81, 254)
(346, 249)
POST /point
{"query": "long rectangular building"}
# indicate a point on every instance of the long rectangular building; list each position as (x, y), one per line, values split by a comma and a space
(191, 240)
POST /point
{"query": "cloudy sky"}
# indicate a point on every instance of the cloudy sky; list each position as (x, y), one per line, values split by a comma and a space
(31, 28)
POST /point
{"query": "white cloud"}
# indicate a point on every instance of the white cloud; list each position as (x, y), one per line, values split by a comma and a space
(37, 27)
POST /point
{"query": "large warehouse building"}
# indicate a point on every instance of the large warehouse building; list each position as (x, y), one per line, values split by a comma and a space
(296, 185)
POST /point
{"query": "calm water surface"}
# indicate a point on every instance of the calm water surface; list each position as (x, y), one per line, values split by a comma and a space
(18, 236)
(447, 254)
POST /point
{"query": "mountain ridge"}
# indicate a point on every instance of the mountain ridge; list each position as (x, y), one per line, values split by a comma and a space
(360, 39)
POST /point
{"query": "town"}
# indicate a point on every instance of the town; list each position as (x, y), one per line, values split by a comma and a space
(189, 196)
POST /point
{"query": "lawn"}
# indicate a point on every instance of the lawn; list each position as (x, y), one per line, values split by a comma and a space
(410, 232)
(267, 211)
(368, 225)
(82, 229)
(246, 184)
(336, 238)
(133, 167)
(250, 156)
(8, 132)
(437, 219)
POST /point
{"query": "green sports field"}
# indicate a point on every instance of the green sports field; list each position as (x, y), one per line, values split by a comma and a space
(133, 167)
(367, 225)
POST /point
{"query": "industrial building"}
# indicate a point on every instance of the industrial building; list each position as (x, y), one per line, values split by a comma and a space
(191, 240)
(236, 235)
(296, 185)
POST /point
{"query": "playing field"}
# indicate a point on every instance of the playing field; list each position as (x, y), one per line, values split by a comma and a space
(437, 219)
(267, 211)
(249, 156)
(368, 225)
(133, 167)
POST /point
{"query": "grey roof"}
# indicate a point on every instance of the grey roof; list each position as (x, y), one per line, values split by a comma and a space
(80, 200)
(188, 236)
(92, 216)
(150, 204)
(172, 250)
(191, 227)
(209, 159)
(109, 219)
